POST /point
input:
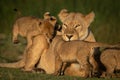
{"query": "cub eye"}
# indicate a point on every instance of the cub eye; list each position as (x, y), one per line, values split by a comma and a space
(64, 25)
(78, 25)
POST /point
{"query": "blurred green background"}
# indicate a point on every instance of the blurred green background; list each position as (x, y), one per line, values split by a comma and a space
(106, 26)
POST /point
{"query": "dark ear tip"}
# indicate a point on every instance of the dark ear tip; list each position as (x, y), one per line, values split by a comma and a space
(15, 9)
(40, 23)
(52, 18)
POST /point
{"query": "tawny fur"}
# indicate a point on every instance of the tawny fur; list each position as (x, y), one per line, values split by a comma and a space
(32, 54)
(69, 51)
(29, 27)
(110, 58)
(76, 27)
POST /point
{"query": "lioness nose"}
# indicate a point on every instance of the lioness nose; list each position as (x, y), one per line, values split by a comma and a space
(69, 36)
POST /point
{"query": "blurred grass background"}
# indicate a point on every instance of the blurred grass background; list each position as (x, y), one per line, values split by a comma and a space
(106, 26)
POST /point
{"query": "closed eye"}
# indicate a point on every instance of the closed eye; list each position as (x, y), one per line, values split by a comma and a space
(64, 25)
(78, 25)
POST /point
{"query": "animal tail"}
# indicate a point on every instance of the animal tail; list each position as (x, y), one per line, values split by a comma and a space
(106, 45)
(18, 64)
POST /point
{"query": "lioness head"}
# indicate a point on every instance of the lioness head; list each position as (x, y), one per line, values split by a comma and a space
(75, 25)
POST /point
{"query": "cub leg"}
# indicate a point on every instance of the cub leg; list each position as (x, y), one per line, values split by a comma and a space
(30, 35)
(34, 52)
(58, 66)
(31, 59)
(15, 34)
(109, 71)
(94, 63)
(64, 65)
(85, 66)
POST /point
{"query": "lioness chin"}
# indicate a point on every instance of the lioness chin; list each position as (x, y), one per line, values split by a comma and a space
(75, 26)
(61, 51)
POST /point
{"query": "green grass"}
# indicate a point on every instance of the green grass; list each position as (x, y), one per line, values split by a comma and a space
(17, 74)
(10, 53)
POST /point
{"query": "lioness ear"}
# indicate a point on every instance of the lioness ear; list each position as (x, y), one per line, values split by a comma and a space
(89, 18)
(63, 14)
(47, 15)
(53, 20)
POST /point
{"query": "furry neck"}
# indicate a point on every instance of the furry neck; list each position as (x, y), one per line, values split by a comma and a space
(86, 35)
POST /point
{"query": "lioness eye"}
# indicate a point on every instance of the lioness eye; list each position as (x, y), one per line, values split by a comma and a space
(64, 25)
(77, 26)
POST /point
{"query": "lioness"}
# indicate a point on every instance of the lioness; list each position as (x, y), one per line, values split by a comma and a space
(75, 26)
(111, 60)
(34, 52)
(80, 51)
(31, 26)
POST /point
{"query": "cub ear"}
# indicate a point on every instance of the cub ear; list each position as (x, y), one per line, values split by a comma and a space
(46, 15)
(89, 18)
(39, 25)
(63, 14)
(50, 18)
(53, 20)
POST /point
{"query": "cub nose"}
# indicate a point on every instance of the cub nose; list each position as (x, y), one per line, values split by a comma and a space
(69, 36)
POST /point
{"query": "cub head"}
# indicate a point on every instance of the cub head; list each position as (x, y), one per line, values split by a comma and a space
(75, 25)
(46, 28)
(51, 19)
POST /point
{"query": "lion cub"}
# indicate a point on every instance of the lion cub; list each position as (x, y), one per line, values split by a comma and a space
(39, 46)
(110, 58)
(32, 26)
(75, 51)
(75, 26)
